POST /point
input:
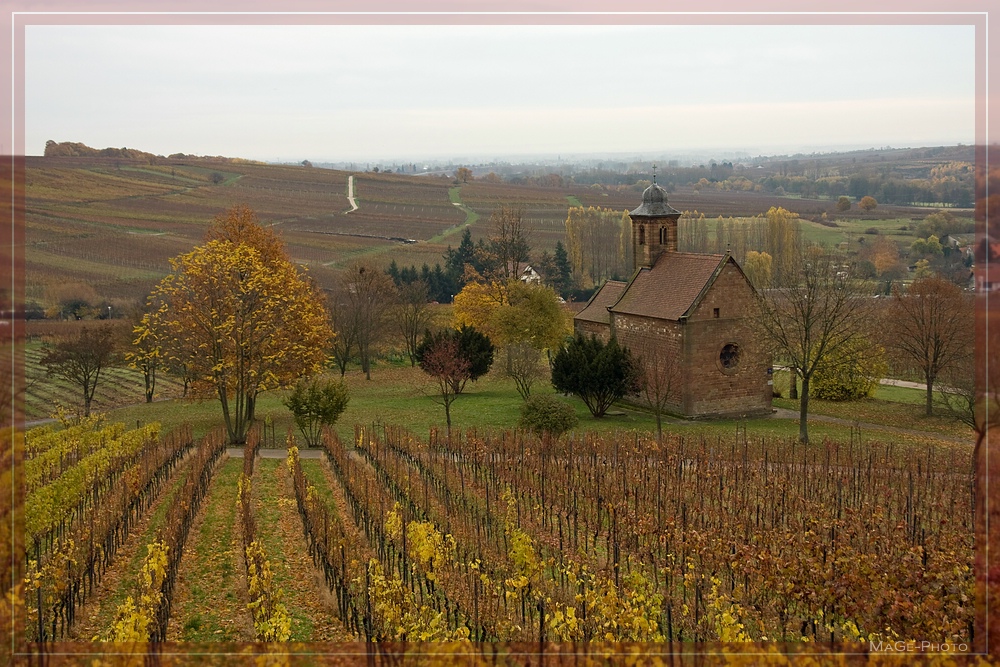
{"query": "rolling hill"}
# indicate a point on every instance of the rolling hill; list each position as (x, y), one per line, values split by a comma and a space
(109, 224)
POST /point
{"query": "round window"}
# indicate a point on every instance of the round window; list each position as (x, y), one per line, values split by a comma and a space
(730, 356)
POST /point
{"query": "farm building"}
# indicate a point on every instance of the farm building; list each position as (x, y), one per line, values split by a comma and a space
(687, 316)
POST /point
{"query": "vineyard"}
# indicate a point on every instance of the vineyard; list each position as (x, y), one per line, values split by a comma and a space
(112, 224)
(136, 535)
(118, 386)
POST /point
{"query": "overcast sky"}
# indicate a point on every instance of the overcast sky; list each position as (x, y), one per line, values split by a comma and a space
(335, 93)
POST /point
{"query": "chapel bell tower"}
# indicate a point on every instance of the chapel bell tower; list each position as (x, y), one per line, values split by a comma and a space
(654, 226)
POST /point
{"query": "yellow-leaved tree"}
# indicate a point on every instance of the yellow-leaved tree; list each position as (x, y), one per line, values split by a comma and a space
(240, 317)
(598, 242)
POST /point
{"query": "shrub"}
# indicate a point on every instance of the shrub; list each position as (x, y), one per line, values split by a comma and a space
(473, 346)
(316, 403)
(599, 374)
(547, 414)
(851, 374)
(868, 204)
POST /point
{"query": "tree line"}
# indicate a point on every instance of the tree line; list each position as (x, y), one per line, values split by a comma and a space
(237, 318)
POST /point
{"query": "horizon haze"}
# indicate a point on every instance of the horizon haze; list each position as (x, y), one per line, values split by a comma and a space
(337, 93)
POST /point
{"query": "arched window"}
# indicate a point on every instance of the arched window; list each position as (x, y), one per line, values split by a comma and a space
(642, 235)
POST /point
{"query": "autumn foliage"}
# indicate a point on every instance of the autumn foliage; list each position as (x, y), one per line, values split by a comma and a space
(240, 317)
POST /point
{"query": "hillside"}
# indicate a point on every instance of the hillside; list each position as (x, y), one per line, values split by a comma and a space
(105, 223)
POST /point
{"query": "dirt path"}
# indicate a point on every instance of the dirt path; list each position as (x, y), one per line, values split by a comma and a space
(210, 599)
(350, 194)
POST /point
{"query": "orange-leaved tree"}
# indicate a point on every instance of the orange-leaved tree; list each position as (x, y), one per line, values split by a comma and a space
(240, 316)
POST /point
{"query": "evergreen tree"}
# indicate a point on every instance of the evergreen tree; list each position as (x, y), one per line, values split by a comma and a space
(564, 272)
(393, 272)
(598, 374)
(455, 260)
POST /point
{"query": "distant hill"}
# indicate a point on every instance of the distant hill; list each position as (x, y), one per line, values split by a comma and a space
(77, 149)
(101, 224)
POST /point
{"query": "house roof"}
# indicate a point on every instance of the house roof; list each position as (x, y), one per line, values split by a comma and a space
(672, 287)
(596, 309)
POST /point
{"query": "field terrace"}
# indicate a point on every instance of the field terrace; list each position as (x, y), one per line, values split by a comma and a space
(714, 203)
(544, 209)
(402, 207)
(113, 224)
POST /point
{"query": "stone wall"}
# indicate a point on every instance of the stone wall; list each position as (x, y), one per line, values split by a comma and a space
(659, 344)
(723, 318)
(602, 331)
(703, 385)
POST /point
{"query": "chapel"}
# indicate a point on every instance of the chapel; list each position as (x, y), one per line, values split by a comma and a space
(688, 316)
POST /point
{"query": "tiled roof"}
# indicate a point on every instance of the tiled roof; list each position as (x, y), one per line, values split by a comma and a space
(597, 308)
(669, 289)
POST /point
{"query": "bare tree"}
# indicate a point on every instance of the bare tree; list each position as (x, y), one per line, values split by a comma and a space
(365, 298)
(932, 326)
(412, 315)
(343, 320)
(80, 360)
(659, 379)
(524, 366)
(508, 242)
(821, 317)
(959, 395)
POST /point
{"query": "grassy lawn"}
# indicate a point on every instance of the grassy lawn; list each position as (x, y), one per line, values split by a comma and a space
(901, 407)
(455, 196)
(401, 395)
(268, 493)
(855, 229)
(880, 411)
(279, 529)
(313, 471)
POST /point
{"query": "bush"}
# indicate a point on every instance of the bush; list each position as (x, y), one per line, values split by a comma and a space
(868, 204)
(872, 230)
(547, 414)
(473, 346)
(316, 403)
(850, 374)
(599, 374)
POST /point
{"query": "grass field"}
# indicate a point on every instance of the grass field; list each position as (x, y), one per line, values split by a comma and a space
(209, 603)
(404, 396)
